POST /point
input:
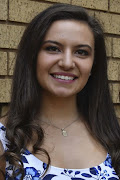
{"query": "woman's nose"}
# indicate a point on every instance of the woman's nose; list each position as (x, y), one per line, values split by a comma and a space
(67, 61)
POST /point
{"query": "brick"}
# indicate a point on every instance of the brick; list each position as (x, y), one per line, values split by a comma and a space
(10, 35)
(3, 9)
(110, 22)
(11, 64)
(115, 90)
(114, 70)
(4, 110)
(5, 88)
(115, 6)
(93, 4)
(25, 10)
(108, 43)
(3, 63)
(117, 110)
(116, 47)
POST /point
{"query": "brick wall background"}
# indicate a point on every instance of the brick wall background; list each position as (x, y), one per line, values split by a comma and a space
(16, 14)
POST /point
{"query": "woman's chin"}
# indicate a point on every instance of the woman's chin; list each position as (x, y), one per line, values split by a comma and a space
(63, 94)
(59, 93)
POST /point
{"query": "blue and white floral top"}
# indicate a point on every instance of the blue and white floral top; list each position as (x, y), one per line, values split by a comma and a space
(35, 168)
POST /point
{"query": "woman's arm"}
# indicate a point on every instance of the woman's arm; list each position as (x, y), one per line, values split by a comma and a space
(2, 159)
(2, 163)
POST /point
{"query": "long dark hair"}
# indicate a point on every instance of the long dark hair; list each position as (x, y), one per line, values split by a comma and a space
(94, 101)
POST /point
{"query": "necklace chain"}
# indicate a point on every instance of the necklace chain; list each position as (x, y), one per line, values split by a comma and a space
(64, 132)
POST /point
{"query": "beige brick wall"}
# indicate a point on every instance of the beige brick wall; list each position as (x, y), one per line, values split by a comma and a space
(114, 70)
(110, 22)
(116, 47)
(5, 87)
(25, 10)
(3, 63)
(92, 4)
(115, 6)
(14, 16)
(11, 62)
(10, 35)
(3, 9)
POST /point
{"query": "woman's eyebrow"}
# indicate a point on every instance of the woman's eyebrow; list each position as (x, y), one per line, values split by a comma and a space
(84, 45)
(78, 46)
(53, 42)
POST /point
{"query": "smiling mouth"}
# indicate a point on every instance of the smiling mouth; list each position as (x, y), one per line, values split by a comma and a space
(63, 77)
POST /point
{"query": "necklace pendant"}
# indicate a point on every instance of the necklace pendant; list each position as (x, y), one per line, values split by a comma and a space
(64, 133)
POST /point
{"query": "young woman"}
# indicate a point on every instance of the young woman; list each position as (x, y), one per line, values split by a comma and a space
(61, 122)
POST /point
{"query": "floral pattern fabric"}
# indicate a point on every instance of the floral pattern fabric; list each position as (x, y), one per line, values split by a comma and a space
(35, 168)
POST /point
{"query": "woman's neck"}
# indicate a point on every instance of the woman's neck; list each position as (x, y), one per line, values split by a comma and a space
(58, 110)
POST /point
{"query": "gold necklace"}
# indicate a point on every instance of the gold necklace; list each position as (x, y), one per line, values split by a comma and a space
(64, 132)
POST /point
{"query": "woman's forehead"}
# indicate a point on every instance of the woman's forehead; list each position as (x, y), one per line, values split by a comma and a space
(70, 31)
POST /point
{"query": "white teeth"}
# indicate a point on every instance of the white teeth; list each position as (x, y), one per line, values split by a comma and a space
(63, 77)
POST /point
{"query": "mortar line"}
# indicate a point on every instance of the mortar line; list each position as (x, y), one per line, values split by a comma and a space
(7, 63)
(7, 10)
(8, 50)
(108, 5)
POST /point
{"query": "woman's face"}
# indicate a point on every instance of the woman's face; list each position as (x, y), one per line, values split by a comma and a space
(66, 57)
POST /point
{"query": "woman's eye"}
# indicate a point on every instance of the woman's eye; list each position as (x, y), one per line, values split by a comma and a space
(52, 49)
(82, 52)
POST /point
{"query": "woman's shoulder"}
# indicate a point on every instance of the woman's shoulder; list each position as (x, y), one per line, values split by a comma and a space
(3, 120)
(2, 127)
(2, 143)
(3, 139)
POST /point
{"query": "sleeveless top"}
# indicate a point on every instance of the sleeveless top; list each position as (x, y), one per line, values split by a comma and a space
(34, 168)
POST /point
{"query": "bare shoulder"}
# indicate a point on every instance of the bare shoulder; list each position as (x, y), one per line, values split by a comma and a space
(2, 162)
(3, 120)
(2, 159)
